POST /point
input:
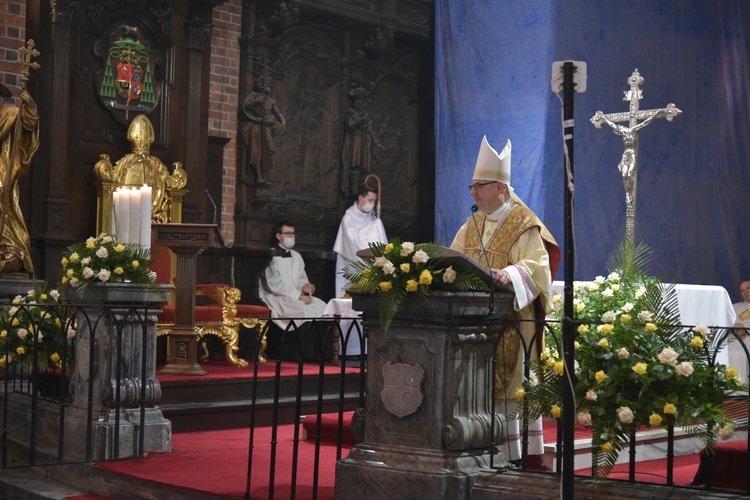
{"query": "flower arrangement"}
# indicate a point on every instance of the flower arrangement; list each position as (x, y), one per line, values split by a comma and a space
(635, 365)
(103, 259)
(35, 330)
(398, 269)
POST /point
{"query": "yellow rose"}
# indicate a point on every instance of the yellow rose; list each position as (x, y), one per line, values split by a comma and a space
(576, 345)
(90, 244)
(64, 280)
(4, 334)
(2, 361)
(412, 286)
(55, 358)
(650, 327)
(543, 355)
(385, 286)
(58, 322)
(615, 287)
(65, 261)
(580, 307)
(600, 376)
(608, 448)
(559, 368)
(520, 393)
(70, 273)
(625, 318)
(20, 350)
(640, 368)
(583, 329)
(731, 372)
(74, 257)
(549, 362)
(655, 419)
(603, 343)
(605, 329)
(119, 247)
(15, 322)
(697, 342)
(405, 267)
(119, 270)
(425, 278)
(136, 264)
(43, 296)
(556, 411)
(388, 248)
(670, 409)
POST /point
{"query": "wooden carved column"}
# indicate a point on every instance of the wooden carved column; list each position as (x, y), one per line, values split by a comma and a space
(57, 201)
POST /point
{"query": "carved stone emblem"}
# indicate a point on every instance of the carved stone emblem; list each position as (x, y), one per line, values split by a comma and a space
(402, 388)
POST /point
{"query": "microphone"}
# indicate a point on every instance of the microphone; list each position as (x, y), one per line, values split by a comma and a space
(474, 209)
(212, 203)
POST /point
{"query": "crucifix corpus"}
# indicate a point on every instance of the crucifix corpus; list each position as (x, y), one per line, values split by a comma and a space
(629, 163)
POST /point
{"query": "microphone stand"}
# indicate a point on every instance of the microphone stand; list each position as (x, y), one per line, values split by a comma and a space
(212, 202)
(491, 311)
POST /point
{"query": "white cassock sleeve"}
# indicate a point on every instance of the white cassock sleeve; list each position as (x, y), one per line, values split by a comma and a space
(531, 272)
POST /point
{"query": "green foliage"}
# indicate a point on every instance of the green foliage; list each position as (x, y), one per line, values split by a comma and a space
(398, 269)
(635, 364)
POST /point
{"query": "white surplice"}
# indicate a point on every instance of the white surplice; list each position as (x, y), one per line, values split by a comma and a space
(356, 231)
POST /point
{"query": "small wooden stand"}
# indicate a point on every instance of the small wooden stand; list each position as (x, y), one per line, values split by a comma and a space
(187, 241)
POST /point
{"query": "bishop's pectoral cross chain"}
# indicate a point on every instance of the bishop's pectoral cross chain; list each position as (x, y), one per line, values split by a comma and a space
(629, 164)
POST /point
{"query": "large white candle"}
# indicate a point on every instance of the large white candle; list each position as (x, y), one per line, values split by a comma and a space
(123, 226)
(115, 209)
(135, 215)
(145, 235)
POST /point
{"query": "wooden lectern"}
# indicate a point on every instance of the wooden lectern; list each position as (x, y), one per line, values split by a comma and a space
(187, 241)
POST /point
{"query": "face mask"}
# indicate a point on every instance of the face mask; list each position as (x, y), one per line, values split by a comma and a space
(288, 242)
(367, 207)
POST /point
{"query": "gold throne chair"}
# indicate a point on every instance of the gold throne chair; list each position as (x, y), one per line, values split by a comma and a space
(223, 315)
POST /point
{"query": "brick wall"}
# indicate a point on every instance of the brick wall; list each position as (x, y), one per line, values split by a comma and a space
(223, 102)
(12, 32)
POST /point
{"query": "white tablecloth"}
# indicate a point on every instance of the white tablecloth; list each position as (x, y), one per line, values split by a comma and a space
(343, 308)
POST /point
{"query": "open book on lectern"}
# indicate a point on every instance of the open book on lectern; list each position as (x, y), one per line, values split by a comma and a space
(449, 257)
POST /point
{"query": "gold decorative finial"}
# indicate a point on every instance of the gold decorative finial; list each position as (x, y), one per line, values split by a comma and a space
(24, 59)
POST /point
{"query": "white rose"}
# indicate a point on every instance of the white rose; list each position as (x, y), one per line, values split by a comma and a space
(591, 396)
(685, 368)
(420, 256)
(102, 253)
(55, 294)
(103, 275)
(22, 333)
(449, 276)
(627, 307)
(645, 316)
(106, 239)
(584, 418)
(640, 292)
(625, 415)
(608, 293)
(668, 356)
(73, 281)
(407, 248)
(623, 353)
(71, 333)
(613, 277)
(87, 273)
(592, 287)
(701, 329)
(608, 317)
(13, 310)
(599, 280)
(380, 261)
(388, 267)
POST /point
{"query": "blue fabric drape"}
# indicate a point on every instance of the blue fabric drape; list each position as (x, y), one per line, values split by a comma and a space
(493, 70)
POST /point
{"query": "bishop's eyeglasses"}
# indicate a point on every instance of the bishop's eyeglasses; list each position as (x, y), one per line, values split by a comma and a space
(477, 185)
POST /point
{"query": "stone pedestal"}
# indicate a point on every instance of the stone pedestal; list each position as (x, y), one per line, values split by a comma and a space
(115, 375)
(428, 422)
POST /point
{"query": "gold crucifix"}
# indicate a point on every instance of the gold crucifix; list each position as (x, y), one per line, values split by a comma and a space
(629, 163)
(24, 59)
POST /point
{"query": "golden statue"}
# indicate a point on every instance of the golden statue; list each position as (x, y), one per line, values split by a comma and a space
(138, 168)
(19, 140)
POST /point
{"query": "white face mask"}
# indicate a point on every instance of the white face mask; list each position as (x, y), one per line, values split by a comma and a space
(367, 207)
(288, 242)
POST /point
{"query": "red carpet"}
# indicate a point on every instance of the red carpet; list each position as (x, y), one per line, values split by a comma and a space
(655, 472)
(216, 462)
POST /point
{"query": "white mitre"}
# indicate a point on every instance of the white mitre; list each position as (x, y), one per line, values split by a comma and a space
(491, 166)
